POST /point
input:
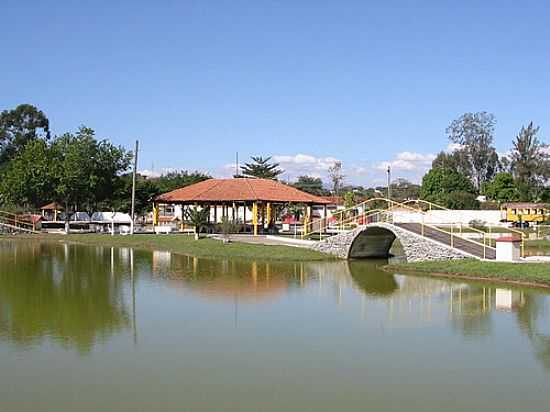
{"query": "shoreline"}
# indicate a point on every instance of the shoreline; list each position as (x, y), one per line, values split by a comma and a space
(185, 245)
(433, 269)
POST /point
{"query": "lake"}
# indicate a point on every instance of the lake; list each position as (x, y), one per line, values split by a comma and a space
(95, 328)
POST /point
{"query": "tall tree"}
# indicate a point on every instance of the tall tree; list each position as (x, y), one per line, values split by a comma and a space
(336, 177)
(474, 133)
(18, 127)
(82, 167)
(530, 163)
(27, 180)
(448, 188)
(502, 188)
(456, 160)
(261, 167)
(313, 185)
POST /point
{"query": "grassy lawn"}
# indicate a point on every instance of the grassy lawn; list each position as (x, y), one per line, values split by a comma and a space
(528, 273)
(538, 245)
(187, 245)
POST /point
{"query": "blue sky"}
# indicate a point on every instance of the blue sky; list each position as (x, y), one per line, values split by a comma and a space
(306, 81)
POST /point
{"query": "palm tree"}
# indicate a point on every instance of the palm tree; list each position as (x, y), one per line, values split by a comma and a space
(198, 218)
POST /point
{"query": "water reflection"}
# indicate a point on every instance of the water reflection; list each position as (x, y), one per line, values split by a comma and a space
(60, 292)
(80, 296)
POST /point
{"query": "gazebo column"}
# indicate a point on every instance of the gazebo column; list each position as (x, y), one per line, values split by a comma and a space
(155, 215)
(244, 217)
(307, 218)
(215, 213)
(325, 219)
(255, 217)
(233, 212)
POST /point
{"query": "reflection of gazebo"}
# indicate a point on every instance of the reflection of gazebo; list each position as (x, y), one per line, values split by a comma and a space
(51, 211)
(237, 197)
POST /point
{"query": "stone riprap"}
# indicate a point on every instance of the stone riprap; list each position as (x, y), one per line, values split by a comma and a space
(375, 240)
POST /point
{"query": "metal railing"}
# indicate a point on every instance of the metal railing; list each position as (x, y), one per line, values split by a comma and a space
(348, 219)
(15, 221)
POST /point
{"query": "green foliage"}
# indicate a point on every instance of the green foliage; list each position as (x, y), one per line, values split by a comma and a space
(457, 160)
(530, 163)
(84, 170)
(502, 188)
(448, 188)
(261, 168)
(460, 200)
(178, 179)
(227, 226)
(474, 133)
(197, 217)
(402, 189)
(73, 170)
(27, 180)
(349, 200)
(313, 185)
(18, 127)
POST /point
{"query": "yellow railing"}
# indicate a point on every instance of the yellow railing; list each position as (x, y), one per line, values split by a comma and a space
(349, 216)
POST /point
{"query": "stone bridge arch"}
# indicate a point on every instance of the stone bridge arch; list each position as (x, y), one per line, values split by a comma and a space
(376, 239)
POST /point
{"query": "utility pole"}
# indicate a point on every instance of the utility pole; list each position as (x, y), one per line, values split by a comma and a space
(389, 182)
(237, 164)
(134, 187)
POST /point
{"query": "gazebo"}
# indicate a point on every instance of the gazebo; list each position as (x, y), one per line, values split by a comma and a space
(235, 197)
(51, 211)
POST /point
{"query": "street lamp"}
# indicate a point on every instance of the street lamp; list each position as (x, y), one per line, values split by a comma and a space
(389, 182)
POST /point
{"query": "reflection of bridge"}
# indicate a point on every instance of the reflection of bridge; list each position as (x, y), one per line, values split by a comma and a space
(370, 229)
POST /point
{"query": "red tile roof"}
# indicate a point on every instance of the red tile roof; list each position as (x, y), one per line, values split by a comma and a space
(238, 190)
(51, 206)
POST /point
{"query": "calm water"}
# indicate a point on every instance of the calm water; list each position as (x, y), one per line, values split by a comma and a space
(91, 328)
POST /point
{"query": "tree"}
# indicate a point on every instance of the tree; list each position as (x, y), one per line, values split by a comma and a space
(178, 179)
(85, 170)
(457, 160)
(336, 177)
(146, 191)
(402, 189)
(474, 133)
(27, 180)
(261, 168)
(198, 218)
(502, 188)
(18, 127)
(440, 185)
(460, 201)
(313, 185)
(530, 163)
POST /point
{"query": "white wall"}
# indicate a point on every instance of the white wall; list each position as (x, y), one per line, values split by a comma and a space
(434, 217)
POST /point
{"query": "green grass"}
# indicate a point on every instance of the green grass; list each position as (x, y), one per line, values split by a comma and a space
(187, 245)
(528, 273)
(538, 245)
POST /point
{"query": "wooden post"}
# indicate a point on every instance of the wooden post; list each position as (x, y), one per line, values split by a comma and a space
(215, 213)
(244, 216)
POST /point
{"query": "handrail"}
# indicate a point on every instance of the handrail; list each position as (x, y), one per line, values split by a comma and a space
(392, 206)
(14, 220)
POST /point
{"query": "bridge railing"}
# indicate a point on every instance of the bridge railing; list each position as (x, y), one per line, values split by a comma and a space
(350, 218)
(16, 221)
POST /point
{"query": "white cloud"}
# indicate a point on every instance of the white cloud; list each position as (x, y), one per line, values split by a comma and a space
(408, 161)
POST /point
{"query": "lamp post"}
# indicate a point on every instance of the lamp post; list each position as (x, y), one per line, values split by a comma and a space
(389, 182)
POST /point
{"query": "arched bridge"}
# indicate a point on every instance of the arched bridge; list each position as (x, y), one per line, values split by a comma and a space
(372, 232)
(375, 240)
